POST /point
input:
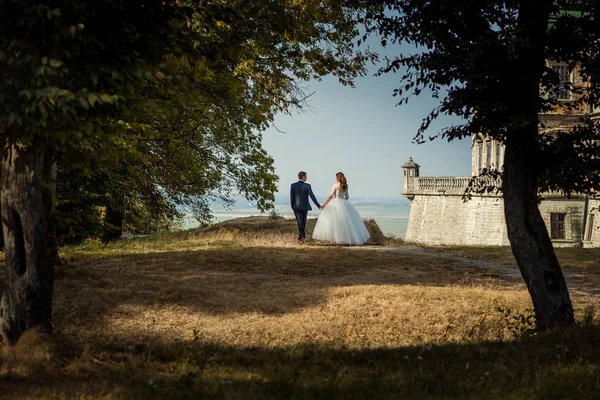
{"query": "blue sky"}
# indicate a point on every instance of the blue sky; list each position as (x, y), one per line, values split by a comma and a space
(362, 133)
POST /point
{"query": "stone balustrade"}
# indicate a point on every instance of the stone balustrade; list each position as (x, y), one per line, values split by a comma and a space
(444, 184)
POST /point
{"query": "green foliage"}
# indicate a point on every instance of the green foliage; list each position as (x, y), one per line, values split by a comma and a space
(80, 205)
(571, 161)
(486, 62)
(71, 78)
(163, 102)
(274, 214)
(84, 197)
(140, 218)
(518, 324)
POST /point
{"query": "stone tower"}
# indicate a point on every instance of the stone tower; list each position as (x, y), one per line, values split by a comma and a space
(410, 171)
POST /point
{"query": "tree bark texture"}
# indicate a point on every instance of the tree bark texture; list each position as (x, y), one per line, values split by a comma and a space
(26, 199)
(49, 199)
(530, 242)
(527, 233)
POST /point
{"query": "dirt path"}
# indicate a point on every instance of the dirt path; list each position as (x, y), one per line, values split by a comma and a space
(508, 272)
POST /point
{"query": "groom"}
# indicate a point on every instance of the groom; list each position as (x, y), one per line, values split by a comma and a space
(299, 193)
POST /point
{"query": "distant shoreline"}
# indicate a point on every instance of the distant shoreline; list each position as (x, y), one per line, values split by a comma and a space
(392, 219)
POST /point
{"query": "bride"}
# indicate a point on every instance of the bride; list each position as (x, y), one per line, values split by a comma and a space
(339, 221)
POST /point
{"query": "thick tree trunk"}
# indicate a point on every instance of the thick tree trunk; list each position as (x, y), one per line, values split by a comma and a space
(27, 299)
(529, 239)
(527, 233)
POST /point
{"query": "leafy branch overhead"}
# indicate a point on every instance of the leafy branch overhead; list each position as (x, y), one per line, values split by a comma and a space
(467, 55)
(186, 86)
(64, 63)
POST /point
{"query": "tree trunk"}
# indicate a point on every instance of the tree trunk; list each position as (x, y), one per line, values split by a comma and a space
(113, 221)
(529, 239)
(27, 299)
(527, 233)
(49, 198)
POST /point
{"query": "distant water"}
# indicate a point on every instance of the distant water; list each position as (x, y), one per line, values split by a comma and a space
(392, 219)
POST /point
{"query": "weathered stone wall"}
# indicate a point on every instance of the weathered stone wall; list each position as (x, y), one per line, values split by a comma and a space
(439, 216)
(575, 210)
(446, 219)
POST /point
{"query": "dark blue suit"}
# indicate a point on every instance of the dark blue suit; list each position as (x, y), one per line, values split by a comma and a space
(299, 193)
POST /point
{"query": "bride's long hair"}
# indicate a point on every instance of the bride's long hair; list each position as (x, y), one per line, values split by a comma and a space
(341, 178)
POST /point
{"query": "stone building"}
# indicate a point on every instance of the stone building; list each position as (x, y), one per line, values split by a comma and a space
(438, 214)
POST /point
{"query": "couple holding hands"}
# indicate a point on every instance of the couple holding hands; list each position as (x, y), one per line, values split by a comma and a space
(339, 221)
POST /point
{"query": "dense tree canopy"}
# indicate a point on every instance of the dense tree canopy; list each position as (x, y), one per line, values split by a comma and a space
(210, 147)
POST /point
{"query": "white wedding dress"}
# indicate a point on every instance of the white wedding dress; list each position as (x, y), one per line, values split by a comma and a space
(339, 222)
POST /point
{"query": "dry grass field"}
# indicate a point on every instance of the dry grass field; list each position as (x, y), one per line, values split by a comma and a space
(581, 263)
(241, 310)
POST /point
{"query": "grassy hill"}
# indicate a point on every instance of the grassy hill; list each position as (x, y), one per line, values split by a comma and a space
(241, 310)
(284, 227)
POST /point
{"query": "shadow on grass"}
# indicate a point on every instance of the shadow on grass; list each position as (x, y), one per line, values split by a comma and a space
(236, 280)
(551, 365)
(571, 258)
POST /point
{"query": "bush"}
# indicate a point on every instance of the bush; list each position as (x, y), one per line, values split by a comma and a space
(377, 237)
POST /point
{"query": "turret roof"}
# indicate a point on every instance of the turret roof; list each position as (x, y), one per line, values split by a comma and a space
(410, 164)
